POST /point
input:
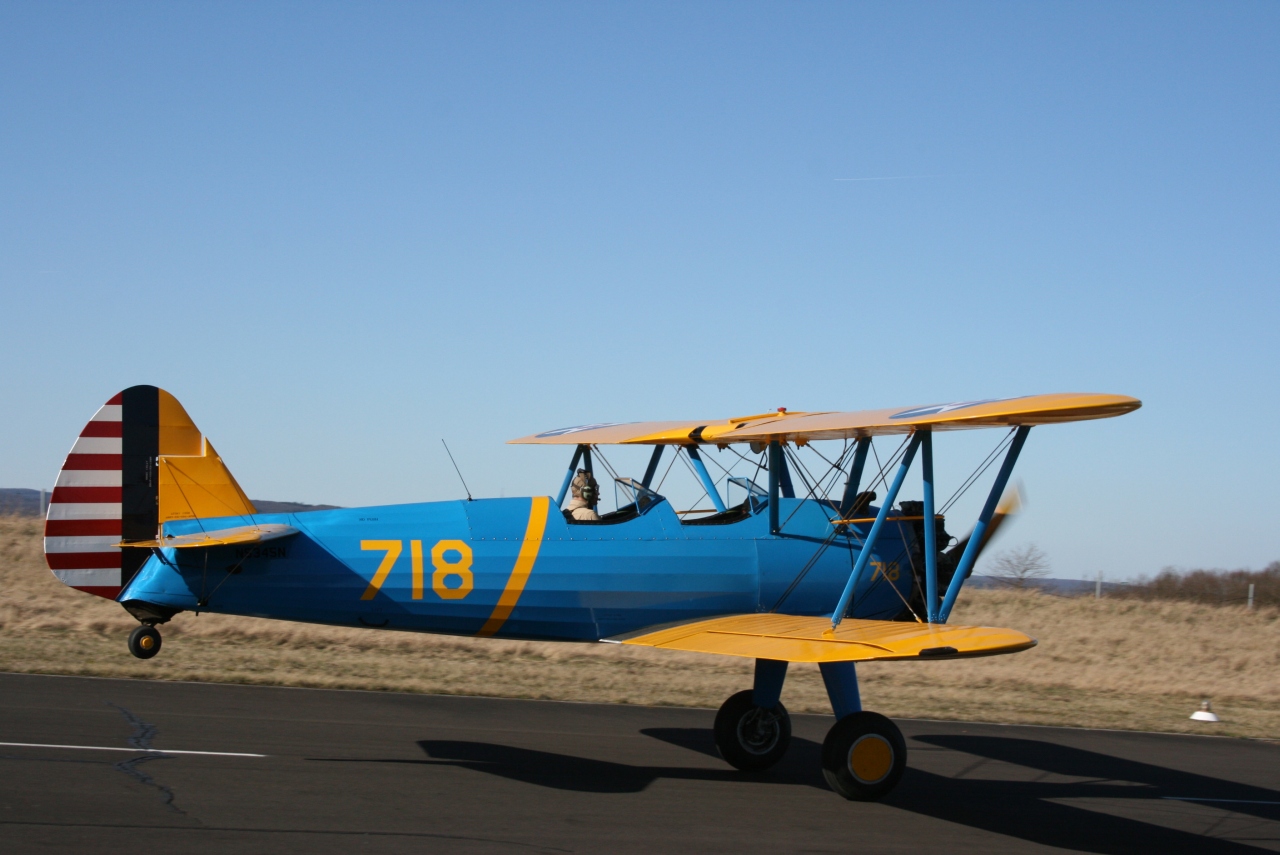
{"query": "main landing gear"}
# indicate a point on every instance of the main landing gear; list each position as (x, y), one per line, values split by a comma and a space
(144, 642)
(752, 738)
(863, 756)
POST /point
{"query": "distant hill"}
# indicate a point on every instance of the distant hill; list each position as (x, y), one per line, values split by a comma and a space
(1061, 587)
(26, 503)
(20, 503)
(265, 507)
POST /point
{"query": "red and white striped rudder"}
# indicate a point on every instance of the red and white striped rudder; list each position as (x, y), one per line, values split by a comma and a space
(139, 463)
(84, 519)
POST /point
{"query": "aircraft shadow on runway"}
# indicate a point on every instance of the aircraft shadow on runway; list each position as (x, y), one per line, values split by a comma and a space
(586, 775)
(565, 772)
(1030, 810)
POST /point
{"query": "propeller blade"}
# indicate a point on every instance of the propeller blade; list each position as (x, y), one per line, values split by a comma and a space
(1010, 504)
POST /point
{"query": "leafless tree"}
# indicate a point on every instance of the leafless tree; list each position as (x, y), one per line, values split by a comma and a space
(1020, 566)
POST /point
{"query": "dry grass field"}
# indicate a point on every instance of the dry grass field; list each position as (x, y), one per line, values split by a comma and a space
(1101, 663)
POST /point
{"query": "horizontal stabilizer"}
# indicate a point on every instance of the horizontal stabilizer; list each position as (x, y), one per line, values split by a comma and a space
(811, 639)
(221, 537)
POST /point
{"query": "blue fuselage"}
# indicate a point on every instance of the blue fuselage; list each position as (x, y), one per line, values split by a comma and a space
(468, 568)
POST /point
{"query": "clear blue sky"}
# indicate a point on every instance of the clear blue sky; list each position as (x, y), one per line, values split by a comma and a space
(339, 232)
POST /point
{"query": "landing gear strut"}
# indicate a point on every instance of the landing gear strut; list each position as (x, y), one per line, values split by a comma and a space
(144, 642)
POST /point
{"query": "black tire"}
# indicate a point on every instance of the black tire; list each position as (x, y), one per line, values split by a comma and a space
(749, 737)
(864, 756)
(144, 642)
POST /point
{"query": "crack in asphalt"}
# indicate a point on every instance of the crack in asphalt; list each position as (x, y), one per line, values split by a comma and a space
(143, 733)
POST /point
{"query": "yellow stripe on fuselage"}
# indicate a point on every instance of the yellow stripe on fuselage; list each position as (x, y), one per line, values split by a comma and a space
(524, 566)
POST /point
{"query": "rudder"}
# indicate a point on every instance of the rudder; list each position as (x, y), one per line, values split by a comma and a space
(138, 463)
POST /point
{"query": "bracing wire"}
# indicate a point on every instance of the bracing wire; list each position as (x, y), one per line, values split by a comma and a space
(595, 449)
(727, 472)
(882, 477)
(599, 455)
(978, 472)
(802, 471)
(689, 466)
(814, 485)
(666, 472)
(804, 571)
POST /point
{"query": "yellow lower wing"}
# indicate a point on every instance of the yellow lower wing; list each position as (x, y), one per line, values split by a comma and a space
(221, 537)
(811, 639)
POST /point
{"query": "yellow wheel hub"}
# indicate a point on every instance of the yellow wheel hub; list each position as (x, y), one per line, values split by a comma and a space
(871, 758)
(146, 642)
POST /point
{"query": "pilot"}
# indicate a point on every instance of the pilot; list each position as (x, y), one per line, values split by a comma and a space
(586, 492)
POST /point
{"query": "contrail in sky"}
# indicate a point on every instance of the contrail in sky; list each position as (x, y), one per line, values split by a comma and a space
(886, 178)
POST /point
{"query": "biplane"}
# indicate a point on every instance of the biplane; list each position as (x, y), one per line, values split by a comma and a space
(802, 565)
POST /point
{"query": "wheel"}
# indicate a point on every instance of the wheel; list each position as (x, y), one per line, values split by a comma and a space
(749, 737)
(864, 756)
(144, 642)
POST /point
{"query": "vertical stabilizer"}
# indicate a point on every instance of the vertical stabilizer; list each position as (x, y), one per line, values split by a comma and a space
(138, 463)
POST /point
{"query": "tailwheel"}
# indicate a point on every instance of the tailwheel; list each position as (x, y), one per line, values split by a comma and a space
(749, 737)
(144, 642)
(864, 756)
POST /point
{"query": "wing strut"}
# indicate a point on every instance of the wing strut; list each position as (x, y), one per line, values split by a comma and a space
(653, 466)
(988, 510)
(864, 557)
(705, 477)
(930, 529)
(568, 476)
(775, 464)
(855, 476)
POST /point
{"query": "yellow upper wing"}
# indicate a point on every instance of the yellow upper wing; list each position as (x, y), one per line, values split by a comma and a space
(811, 639)
(804, 427)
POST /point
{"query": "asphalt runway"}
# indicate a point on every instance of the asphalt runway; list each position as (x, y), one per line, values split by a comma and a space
(348, 772)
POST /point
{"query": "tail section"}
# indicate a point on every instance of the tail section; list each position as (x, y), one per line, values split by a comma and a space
(137, 464)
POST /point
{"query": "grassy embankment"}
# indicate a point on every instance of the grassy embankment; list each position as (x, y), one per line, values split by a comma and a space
(1101, 663)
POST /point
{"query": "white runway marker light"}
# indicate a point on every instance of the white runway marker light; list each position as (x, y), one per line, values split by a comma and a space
(1205, 713)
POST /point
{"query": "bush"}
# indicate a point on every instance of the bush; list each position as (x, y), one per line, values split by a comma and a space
(1020, 567)
(1214, 587)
